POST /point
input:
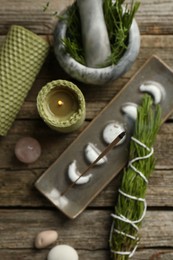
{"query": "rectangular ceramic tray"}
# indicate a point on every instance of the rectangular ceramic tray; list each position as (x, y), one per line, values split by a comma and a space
(55, 180)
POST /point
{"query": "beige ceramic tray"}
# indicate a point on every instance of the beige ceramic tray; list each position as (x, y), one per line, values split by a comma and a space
(55, 180)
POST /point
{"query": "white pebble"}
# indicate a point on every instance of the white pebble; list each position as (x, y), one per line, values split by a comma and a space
(61, 201)
(45, 238)
(62, 252)
(92, 153)
(111, 131)
(131, 110)
(74, 174)
(155, 89)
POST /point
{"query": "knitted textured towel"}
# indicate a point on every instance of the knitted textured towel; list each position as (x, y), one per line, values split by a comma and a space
(21, 57)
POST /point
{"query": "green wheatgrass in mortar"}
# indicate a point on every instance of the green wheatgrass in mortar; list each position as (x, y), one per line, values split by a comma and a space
(118, 18)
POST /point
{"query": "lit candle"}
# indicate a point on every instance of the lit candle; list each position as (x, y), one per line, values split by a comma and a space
(61, 104)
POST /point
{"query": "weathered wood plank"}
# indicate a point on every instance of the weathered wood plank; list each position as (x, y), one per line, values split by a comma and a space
(146, 254)
(17, 186)
(29, 110)
(158, 45)
(159, 191)
(154, 17)
(30, 14)
(54, 143)
(162, 255)
(149, 46)
(89, 231)
(42, 254)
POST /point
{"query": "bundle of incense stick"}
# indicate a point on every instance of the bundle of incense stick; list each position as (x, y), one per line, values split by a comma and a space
(131, 204)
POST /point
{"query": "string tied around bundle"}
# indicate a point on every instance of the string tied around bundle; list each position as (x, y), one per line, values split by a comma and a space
(121, 217)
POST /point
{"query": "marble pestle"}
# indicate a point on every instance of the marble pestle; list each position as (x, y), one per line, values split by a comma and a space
(94, 32)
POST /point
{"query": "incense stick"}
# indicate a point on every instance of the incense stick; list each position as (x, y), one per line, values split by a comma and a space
(107, 149)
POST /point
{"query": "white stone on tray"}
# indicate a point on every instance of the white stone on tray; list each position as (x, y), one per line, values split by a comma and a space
(74, 174)
(55, 195)
(113, 130)
(154, 89)
(92, 153)
(131, 110)
(62, 252)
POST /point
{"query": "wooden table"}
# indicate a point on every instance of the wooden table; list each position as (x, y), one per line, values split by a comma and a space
(23, 210)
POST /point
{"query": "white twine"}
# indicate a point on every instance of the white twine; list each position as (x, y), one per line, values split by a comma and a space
(139, 199)
(125, 234)
(151, 151)
(123, 218)
(129, 253)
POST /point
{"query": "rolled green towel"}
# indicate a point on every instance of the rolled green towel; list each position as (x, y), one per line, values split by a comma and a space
(21, 58)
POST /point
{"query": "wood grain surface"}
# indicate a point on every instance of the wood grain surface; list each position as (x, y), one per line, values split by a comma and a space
(23, 210)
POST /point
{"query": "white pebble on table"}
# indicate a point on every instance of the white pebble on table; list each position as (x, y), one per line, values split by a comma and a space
(62, 252)
(45, 238)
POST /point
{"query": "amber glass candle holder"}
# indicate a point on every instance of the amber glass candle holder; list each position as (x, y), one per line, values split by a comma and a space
(61, 105)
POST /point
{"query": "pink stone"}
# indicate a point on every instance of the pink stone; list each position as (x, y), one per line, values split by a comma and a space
(27, 150)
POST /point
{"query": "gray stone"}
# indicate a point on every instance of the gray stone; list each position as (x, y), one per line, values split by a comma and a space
(95, 76)
(94, 32)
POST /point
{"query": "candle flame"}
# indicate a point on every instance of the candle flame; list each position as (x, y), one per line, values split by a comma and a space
(60, 103)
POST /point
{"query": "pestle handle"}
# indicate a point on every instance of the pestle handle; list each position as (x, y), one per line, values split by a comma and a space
(94, 32)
